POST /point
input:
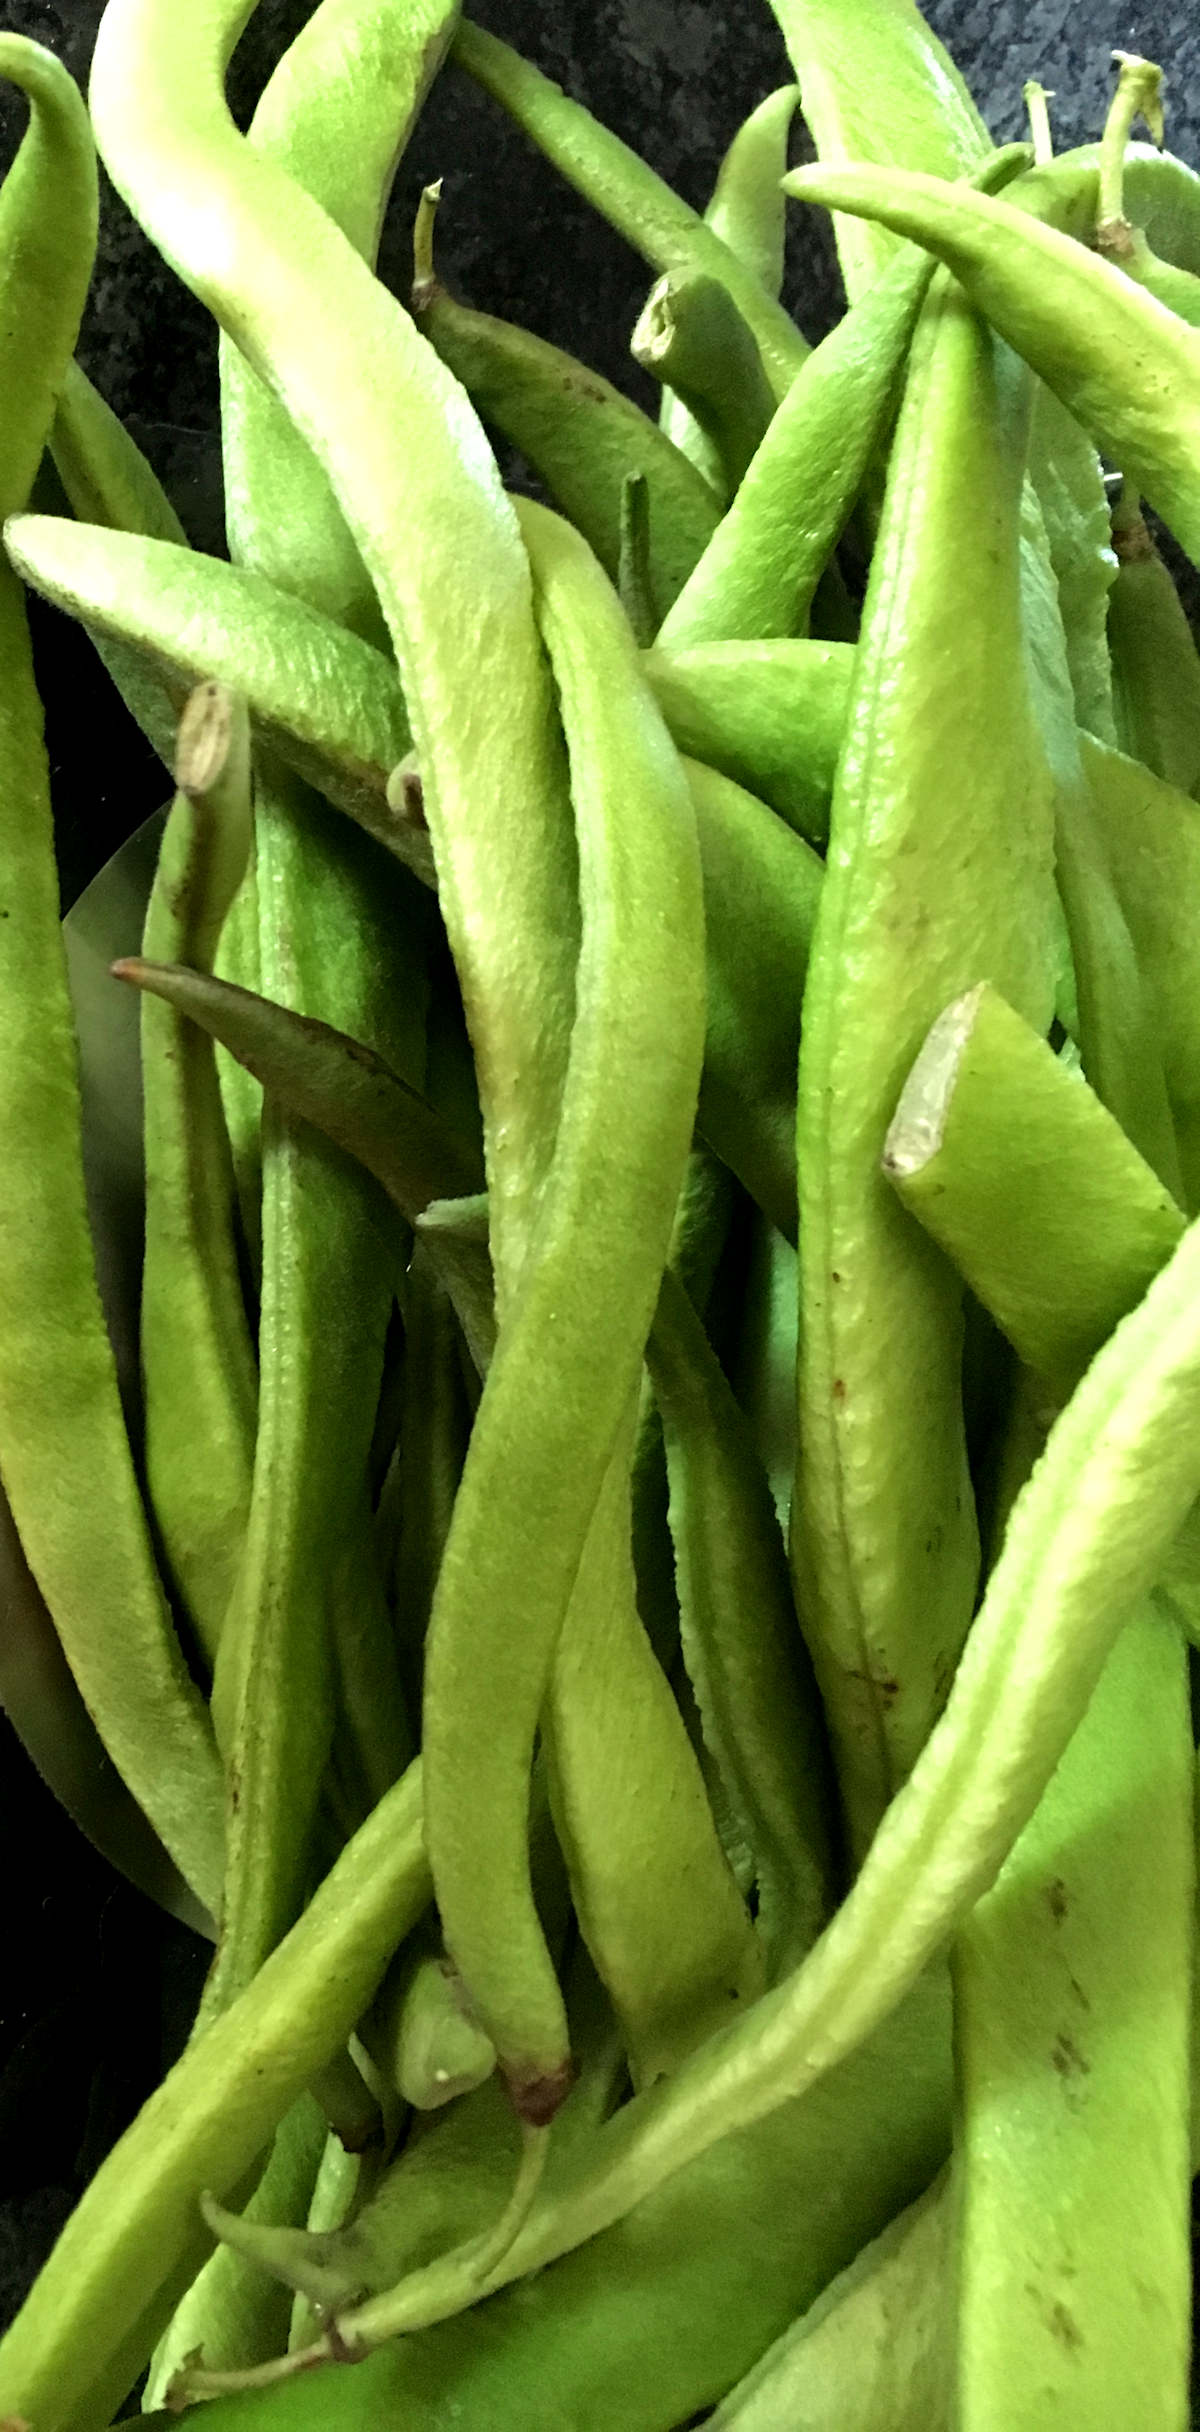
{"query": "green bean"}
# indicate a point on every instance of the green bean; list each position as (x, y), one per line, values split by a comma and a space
(658, 1908)
(1026, 1181)
(680, 2303)
(342, 1086)
(434, 1427)
(740, 1637)
(323, 699)
(771, 715)
(63, 1449)
(1087, 1537)
(105, 476)
(582, 437)
(874, 2343)
(1161, 194)
(634, 584)
(372, 401)
(692, 338)
(1155, 664)
(878, 87)
(440, 2050)
(759, 574)
(763, 1367)
(232, 2313)
(670, 236)
(1065, 472)
(941, 837)
(762, 887)
(1125, 367)
(335, 115)
(1138, 95)
(1116, 1021)
(1152, 837)
(640, 956)
(103, 2298)
(1072, 1979)
(748, 212)
(197, 1358)
(326, 1300)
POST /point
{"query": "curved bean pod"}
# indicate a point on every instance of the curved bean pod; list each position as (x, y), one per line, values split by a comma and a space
(1155, 663)
(197, 1359)
(756, 1695)
(1065, 472)
(1126, 368)
(63, 1448)
(692, 338)
(1027, 1182)
(336, 115)
(771, 715)
(762, 887)
(748, 211)
(373, 400)
(1151, 835)
(873, 2350)
(1086, 1539)
(585, 1301)
(883, 1530)
(879, 87)
(581, 435)
(90, 2322)
(106, 477)
(657, 1905)
(324, 700)
(1073, 1978)
(668, 234)
(760, 572)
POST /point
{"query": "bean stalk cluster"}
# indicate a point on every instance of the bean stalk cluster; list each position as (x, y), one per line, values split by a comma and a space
(640, 1587)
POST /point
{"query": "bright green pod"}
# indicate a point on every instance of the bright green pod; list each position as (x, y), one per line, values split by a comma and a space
(583, 438)
(1155, 663)
(670, 236)
(771, 715)
(940, 862)
(63, 1448)
(199, 1374)
(877, 85)
(1025, 1180)
(691, 337)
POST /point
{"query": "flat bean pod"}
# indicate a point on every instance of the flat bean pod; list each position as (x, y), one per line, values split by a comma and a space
(585, 1302)
(1087, 1537)
(1155, 663)
(581, 435)
(657, 1905)
(63, 1447)
(325, 700)
(1072, 1976)
(1029, 1184)
(1126, 367)
(771, 715)
(691, 337)
(197, 1357)
(941, 839)
(740, 1638)
(879, 87)
(101, 2302)
(748, 211)
(875, 2341)
(648, 214)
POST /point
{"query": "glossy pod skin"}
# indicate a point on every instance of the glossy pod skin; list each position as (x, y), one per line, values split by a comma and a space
(60, 1416)
(771, 715)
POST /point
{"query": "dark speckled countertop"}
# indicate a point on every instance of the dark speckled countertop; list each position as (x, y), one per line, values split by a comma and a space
(95, 1986)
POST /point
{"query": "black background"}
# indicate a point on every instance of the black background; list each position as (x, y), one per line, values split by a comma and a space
(95, 1985)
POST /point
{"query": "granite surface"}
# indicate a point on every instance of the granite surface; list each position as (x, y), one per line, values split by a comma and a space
(94, 1980)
